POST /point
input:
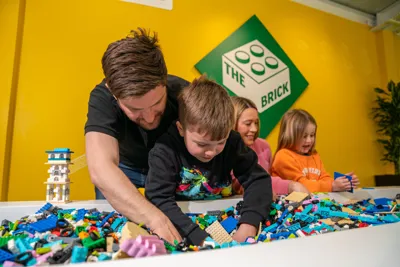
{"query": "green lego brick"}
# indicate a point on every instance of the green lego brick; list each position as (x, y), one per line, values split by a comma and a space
(90, 244)
(4, 240)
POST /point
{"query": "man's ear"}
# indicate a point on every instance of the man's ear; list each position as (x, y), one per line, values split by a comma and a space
(180, 128)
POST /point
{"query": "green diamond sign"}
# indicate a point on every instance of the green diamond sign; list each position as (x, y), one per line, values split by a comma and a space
(250, 63)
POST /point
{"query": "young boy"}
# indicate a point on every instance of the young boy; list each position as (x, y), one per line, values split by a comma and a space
(194, 159)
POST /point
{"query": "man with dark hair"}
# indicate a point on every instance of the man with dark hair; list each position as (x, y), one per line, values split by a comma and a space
(128, 111)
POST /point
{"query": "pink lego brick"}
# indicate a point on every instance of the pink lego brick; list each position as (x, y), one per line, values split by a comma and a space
(10, 264)
(143, 246)
(43, 258)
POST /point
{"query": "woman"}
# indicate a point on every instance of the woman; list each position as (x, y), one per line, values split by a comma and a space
(248, 125)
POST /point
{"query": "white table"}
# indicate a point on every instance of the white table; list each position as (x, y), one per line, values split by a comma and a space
(372, 246)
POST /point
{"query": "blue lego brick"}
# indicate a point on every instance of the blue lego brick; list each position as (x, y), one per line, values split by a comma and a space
(283, 235)
(294, 227)
(31, 262)
(307, 209)
(60, 150)
(104, 257)
(4, 256)
(305, 218)
(324, 212)
(211, 219)
(271, 228)
(100, 224)
(261, 238)
(368, 220)
(229, 224)
(45, 224)
(116, 223)
(46, 206)
(79, 254)
(390, 218)
(283, 215)
(339, 214)
(230, 209)
(22, 245)
(80, 215)
(382, 201)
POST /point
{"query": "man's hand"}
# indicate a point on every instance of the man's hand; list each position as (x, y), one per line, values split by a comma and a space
(341, 184)
(162, 226)
(244, 231)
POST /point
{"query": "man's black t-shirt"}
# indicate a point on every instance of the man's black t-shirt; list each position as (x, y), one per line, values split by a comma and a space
(105, 116)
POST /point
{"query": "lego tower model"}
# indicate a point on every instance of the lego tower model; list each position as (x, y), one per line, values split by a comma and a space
(58, 183)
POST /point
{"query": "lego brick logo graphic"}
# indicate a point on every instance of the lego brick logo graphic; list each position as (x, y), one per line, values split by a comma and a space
(250, 63)
(256, 73)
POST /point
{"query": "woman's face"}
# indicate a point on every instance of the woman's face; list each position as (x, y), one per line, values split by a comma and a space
(247, 125)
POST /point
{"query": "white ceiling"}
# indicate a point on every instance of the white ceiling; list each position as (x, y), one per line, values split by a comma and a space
(368, 6)
(378, 14)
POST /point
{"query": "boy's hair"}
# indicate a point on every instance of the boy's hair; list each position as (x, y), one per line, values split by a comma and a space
(241, 104)
(134, 65)
(293, 126)
(206, 107)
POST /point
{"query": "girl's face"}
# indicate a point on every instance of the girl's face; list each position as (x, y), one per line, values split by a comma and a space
(247, 125)
(307, 140)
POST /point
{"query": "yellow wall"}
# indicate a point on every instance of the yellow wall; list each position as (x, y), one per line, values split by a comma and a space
(11, 20)
(63, 43)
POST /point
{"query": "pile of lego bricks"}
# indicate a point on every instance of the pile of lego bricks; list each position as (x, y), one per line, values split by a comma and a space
(60, 236)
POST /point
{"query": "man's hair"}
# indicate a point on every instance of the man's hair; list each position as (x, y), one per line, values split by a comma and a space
(134, 65)
(293, 125)
(241, 104)
(205, 107)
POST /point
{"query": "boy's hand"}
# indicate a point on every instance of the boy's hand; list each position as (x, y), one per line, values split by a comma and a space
(354, 180)
(162, 226)
(341, 184)
(244, 231)
(297, 187)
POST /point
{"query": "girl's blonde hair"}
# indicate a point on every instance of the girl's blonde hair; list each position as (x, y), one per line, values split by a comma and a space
(293, 126)
(241, 104)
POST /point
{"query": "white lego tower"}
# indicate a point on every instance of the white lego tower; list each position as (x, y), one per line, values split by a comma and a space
(58, 184)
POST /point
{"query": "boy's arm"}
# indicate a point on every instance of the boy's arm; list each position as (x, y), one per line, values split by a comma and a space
(256, 183)
(286, 167)
(160, 190)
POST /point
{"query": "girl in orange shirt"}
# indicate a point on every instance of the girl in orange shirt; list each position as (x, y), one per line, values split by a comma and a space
(296, 158)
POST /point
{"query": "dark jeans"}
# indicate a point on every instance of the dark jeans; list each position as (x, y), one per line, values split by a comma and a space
(136, 176)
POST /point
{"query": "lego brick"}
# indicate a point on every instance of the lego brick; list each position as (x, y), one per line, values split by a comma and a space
(296, 196)
(229, 224)
(218, 233)
(132, 231)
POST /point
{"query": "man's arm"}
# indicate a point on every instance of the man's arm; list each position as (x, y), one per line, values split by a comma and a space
(102, 155)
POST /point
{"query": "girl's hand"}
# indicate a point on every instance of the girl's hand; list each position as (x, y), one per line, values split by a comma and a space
(354, 180)
(341, 184)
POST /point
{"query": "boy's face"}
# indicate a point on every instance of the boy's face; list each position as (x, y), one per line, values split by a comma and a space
(306, 142)
(199, 145)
